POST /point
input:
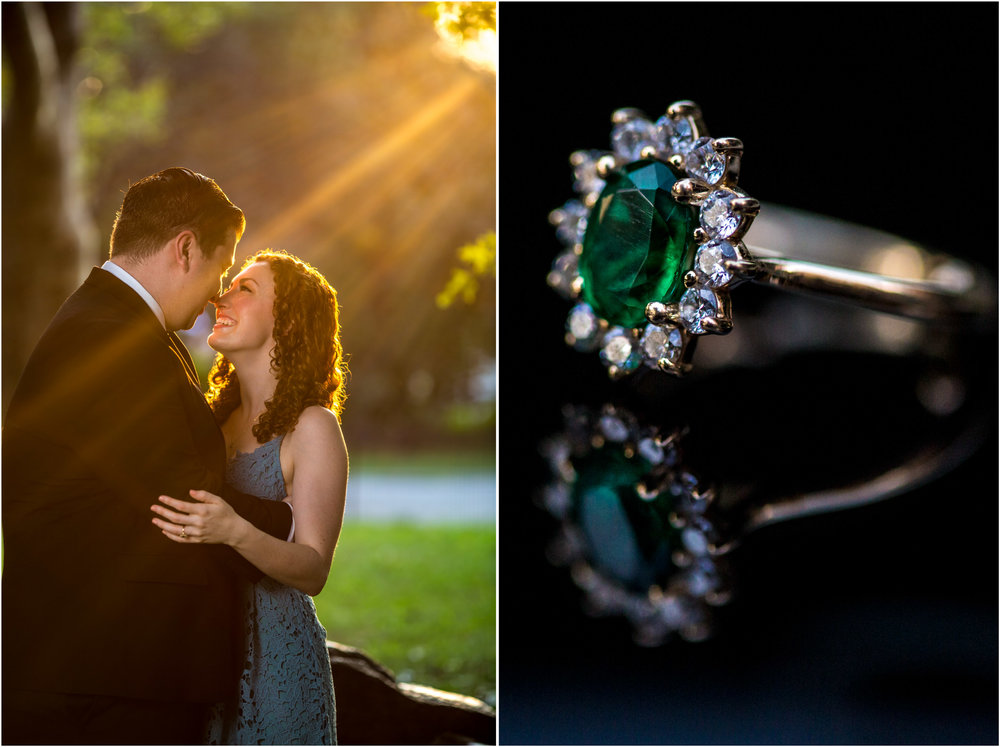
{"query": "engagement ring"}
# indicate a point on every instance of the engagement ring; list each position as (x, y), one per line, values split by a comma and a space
(661, 233)
(651, 508)
(638, 529)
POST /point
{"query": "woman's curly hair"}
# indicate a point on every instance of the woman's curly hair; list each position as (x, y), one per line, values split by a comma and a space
(307, 358)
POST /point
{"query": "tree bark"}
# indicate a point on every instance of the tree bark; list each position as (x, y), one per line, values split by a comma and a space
(45, 223)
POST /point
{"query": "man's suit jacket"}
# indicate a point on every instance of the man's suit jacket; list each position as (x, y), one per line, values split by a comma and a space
(106, 417)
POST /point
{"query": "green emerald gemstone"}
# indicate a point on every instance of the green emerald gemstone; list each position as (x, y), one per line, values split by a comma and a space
(638, 244)
(630, 538)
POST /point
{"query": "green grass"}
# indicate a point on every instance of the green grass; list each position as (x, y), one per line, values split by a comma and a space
(420, 600)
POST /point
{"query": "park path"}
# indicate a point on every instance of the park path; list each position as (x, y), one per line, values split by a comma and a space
(458, 498)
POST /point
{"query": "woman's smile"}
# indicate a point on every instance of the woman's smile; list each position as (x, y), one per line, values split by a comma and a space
(222, 321)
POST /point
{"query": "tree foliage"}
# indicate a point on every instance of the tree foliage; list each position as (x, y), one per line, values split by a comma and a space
(476, 260)
(125, 67)
(465, 19)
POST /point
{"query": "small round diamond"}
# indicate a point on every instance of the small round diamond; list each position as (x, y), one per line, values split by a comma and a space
(704, 162)
(675, 610)
(629, 138)
(661, 342)
(717, 216)
(697, 305)
(650, 450)
(585, 178)
(620, 350)
(695, 541)
(702, 578)
(564, 273)
(571, 222)
(583, 325)
(710, 263)
(557, 499)
(613, 428)
(677, 135)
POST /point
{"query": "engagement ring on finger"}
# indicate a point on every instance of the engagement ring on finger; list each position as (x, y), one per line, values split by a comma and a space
(661, 234)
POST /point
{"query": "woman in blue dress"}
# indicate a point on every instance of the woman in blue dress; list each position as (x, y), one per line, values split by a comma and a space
(277, 389)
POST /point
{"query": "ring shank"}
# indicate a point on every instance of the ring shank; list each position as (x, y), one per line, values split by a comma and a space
(927, 465)
(873, 269)
(927, 301)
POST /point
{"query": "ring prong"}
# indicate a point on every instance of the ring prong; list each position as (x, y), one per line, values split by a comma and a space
(701, 235)
(615, 373)
(676, 369)
(605, 165)
(690, 191)
(649, 151)
(728, 146)
(745, 205)
(725, 549)
(742, 268)
(645, 493)
(719, 598)
(685, 108)
(677, 161)
(663, 313)
(626, 114)
(717, 326)
(690, 278)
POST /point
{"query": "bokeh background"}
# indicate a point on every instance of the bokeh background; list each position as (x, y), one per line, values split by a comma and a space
(360, 137)
(874, 626)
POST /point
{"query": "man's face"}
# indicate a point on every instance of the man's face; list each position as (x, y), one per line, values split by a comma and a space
(204, 280)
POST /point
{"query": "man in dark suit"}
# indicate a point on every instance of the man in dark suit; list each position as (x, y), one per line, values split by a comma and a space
(111, 632)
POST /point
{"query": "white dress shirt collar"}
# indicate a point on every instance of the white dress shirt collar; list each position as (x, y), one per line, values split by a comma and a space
(135, 285)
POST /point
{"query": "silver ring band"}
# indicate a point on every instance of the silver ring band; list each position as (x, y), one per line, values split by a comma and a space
(922, 285)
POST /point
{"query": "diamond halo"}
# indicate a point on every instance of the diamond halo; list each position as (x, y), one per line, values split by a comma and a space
(707, 171)
(636, 528)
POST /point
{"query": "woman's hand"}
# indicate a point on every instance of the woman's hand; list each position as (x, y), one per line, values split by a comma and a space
(207, 520)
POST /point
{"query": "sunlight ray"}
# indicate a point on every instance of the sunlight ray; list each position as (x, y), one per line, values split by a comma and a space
(405, 322)
(376, 155)
(366, 205)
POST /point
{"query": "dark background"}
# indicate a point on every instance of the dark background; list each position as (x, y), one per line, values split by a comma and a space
(877, 625)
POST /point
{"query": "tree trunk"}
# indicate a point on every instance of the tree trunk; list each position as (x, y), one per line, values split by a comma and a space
(45, 223)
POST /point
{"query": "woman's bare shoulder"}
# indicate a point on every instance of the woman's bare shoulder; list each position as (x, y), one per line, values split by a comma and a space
(317, 428)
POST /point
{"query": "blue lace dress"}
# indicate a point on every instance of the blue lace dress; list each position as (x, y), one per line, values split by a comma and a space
(285, 693)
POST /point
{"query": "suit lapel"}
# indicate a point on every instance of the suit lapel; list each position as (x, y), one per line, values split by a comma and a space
(182, 352)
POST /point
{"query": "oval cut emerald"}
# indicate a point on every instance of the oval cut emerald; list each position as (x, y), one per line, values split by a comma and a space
(638, 244)
(630, 539)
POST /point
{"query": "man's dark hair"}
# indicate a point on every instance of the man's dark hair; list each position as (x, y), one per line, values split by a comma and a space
(159, 207)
